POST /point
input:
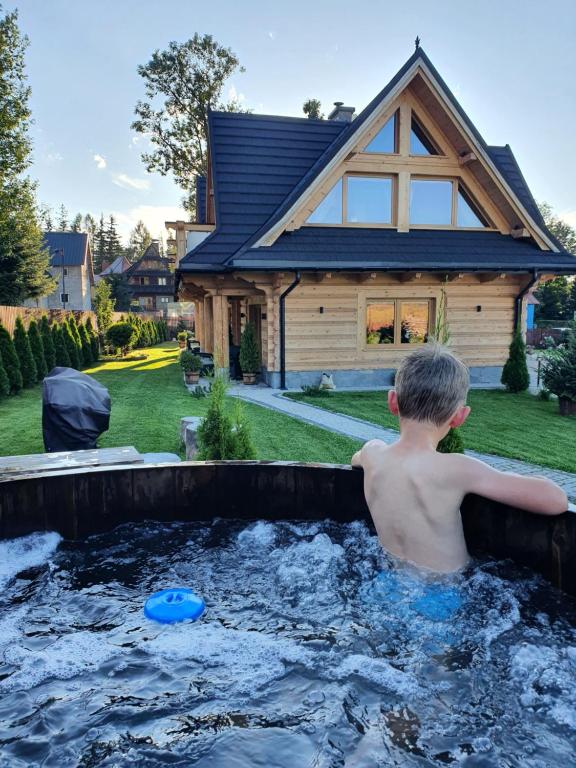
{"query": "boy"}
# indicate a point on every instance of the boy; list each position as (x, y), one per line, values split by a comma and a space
(413, 492)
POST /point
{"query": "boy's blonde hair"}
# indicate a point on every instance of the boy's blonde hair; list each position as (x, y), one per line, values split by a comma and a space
(431, 384)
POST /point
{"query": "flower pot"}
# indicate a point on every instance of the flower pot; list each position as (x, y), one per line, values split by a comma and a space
(567, 406)
(192, 377)
(249, 378)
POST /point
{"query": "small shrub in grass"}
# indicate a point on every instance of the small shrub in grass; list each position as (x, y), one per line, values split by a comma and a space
(60, 349)
(544, 394)
(4, 381)
(86, 345)
(121, 336)
(71, 346)
(242, 446)
(315, 390)
(37, 347)
(515, 375)
(452, 443)
(215, 430)
(47, 343)
(24, 352)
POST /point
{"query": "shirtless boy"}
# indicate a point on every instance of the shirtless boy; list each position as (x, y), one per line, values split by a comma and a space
(413, 492)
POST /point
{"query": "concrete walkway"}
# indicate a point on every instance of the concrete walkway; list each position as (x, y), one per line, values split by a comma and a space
(365, 430)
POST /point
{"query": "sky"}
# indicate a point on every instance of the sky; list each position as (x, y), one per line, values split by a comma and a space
(511, 64)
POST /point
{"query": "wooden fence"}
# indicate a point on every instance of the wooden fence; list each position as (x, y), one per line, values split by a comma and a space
(8, 315)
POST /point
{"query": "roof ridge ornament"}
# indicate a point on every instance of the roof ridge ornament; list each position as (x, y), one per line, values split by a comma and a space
(417, 43)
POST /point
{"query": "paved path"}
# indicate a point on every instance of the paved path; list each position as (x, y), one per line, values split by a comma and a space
(365, 430)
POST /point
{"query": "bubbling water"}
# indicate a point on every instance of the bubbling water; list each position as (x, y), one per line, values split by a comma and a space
(315, 649)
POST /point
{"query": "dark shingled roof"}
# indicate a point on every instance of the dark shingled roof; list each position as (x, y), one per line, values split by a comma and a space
(67, 249)
(262, 164)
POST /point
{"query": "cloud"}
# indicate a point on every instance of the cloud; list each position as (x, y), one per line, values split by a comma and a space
(233, 95)
(128, 182)
(100, 161)
(53, 157)
(153, 216)
(569, 217)
(272, 34)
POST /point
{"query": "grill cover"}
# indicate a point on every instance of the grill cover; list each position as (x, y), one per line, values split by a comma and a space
(75, 410)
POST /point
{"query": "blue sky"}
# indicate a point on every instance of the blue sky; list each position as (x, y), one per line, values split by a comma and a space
(511, 63)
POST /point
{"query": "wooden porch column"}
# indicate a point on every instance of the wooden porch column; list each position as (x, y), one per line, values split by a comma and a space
(208, 325)
(221, 331)
(199, 321)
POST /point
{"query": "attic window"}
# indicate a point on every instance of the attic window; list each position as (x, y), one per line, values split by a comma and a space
(385, 141)
(329, 211)
(444, 203)
(356, 199)
(468, 213)
(420, 141)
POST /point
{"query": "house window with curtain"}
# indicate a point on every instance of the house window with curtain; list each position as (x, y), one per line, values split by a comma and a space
(398, 321)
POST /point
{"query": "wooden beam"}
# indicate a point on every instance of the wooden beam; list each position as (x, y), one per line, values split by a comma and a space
(407, 277)
(451, 276)
(221, 329)
(365, 277)
(520, 233)
(469, 157)
(488, 277)
(208, 325)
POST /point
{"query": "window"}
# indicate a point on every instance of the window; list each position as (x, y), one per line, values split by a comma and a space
(164, 299)
(385, 140)
(65, 272)
(420, 141)
(443, 202)
(369, 200)
(398, 321)
(161, 281)
(431, 202)
(356, 200)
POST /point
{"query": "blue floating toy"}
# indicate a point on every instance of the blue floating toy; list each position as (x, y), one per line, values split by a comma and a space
(171, 605)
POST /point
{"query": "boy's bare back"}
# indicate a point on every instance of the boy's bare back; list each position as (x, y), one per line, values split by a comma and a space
(413, 492)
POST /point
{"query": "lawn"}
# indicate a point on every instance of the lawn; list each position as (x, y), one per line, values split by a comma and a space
(148, 400)
(517, 426)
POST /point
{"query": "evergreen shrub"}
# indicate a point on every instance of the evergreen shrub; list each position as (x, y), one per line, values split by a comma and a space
(24, 352)
(47, 343)
(37, 347)
(515, 375)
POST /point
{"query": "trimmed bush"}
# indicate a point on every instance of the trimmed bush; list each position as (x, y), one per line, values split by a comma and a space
(452, 443)
(121, 336)
(37, 347)
(242, 446)
(249, 350)
(94, 343)
(559, 374)
(60, 349)
(515, 375)
(215, 431)
(10, 360)
(86, 346)
(24, 352)
(47, 343)
(73, 325)
(71, 346)
(4, 381)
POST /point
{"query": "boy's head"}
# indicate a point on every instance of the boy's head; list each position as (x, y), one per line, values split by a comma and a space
(431, 386)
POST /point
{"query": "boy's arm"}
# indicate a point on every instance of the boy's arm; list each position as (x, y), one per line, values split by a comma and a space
(535, 494)
(359, 456)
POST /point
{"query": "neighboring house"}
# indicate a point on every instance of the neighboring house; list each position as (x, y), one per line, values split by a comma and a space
(117, 267)
(343, 240)
(151, 280)
(71, 266)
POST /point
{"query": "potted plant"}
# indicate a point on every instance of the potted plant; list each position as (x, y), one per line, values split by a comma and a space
(559, 375)
(249, 355)
(182, 337)
(191, 365)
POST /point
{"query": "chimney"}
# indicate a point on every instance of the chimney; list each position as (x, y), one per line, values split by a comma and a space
(341, 113)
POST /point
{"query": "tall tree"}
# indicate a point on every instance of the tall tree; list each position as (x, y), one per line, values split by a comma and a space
(89, 226)
(182, 84)
(99, 252)
(76, 225)
(45, 218)
(103, 306)
(120, 292)
(113, 244)
(23, 258)
(140, 239)
(561, 230)
(554, 298)
(312, 108)
(62, 218)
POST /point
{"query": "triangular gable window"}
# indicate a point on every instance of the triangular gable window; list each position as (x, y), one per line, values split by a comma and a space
(329, 210)
(468, 213)
(385, 140)
(420, 142)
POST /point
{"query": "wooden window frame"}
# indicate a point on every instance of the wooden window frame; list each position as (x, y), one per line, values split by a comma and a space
(396, 117)
(362, 224)
(456, 184)
(397, 301)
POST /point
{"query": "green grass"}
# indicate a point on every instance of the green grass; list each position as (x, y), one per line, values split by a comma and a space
(148, 400)
(517, 426)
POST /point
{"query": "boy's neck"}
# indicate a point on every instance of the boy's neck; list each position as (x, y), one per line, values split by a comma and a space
(420, 435)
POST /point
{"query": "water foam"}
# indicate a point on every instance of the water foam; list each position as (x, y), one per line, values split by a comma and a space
(17, 555)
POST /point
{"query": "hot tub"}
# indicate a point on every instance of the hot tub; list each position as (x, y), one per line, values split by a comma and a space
(315, 649)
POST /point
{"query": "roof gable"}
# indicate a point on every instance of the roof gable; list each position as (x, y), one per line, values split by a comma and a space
(67, 249)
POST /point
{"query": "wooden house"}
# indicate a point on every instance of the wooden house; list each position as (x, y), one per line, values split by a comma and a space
(347, 241)
(151, 280)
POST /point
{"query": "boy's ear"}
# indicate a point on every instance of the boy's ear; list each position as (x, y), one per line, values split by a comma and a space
(460, 416)
(393, 402)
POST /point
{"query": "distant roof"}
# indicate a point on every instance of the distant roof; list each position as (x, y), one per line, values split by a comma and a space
(119, 265)
(67, 249)
(262, 164)
(152, 253)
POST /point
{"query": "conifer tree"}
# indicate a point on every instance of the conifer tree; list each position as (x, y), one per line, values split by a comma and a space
(76, 336)
(113, 244)
(47, 343)
(515, 375)
(95, 344)
(87, 356)
(99, 252)
(4, 381)
(60, 350)
(63, 218)
(76, 225)
(24, 260)
(71, 347)
(11, 361)
(37, 347)
(24, 352)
